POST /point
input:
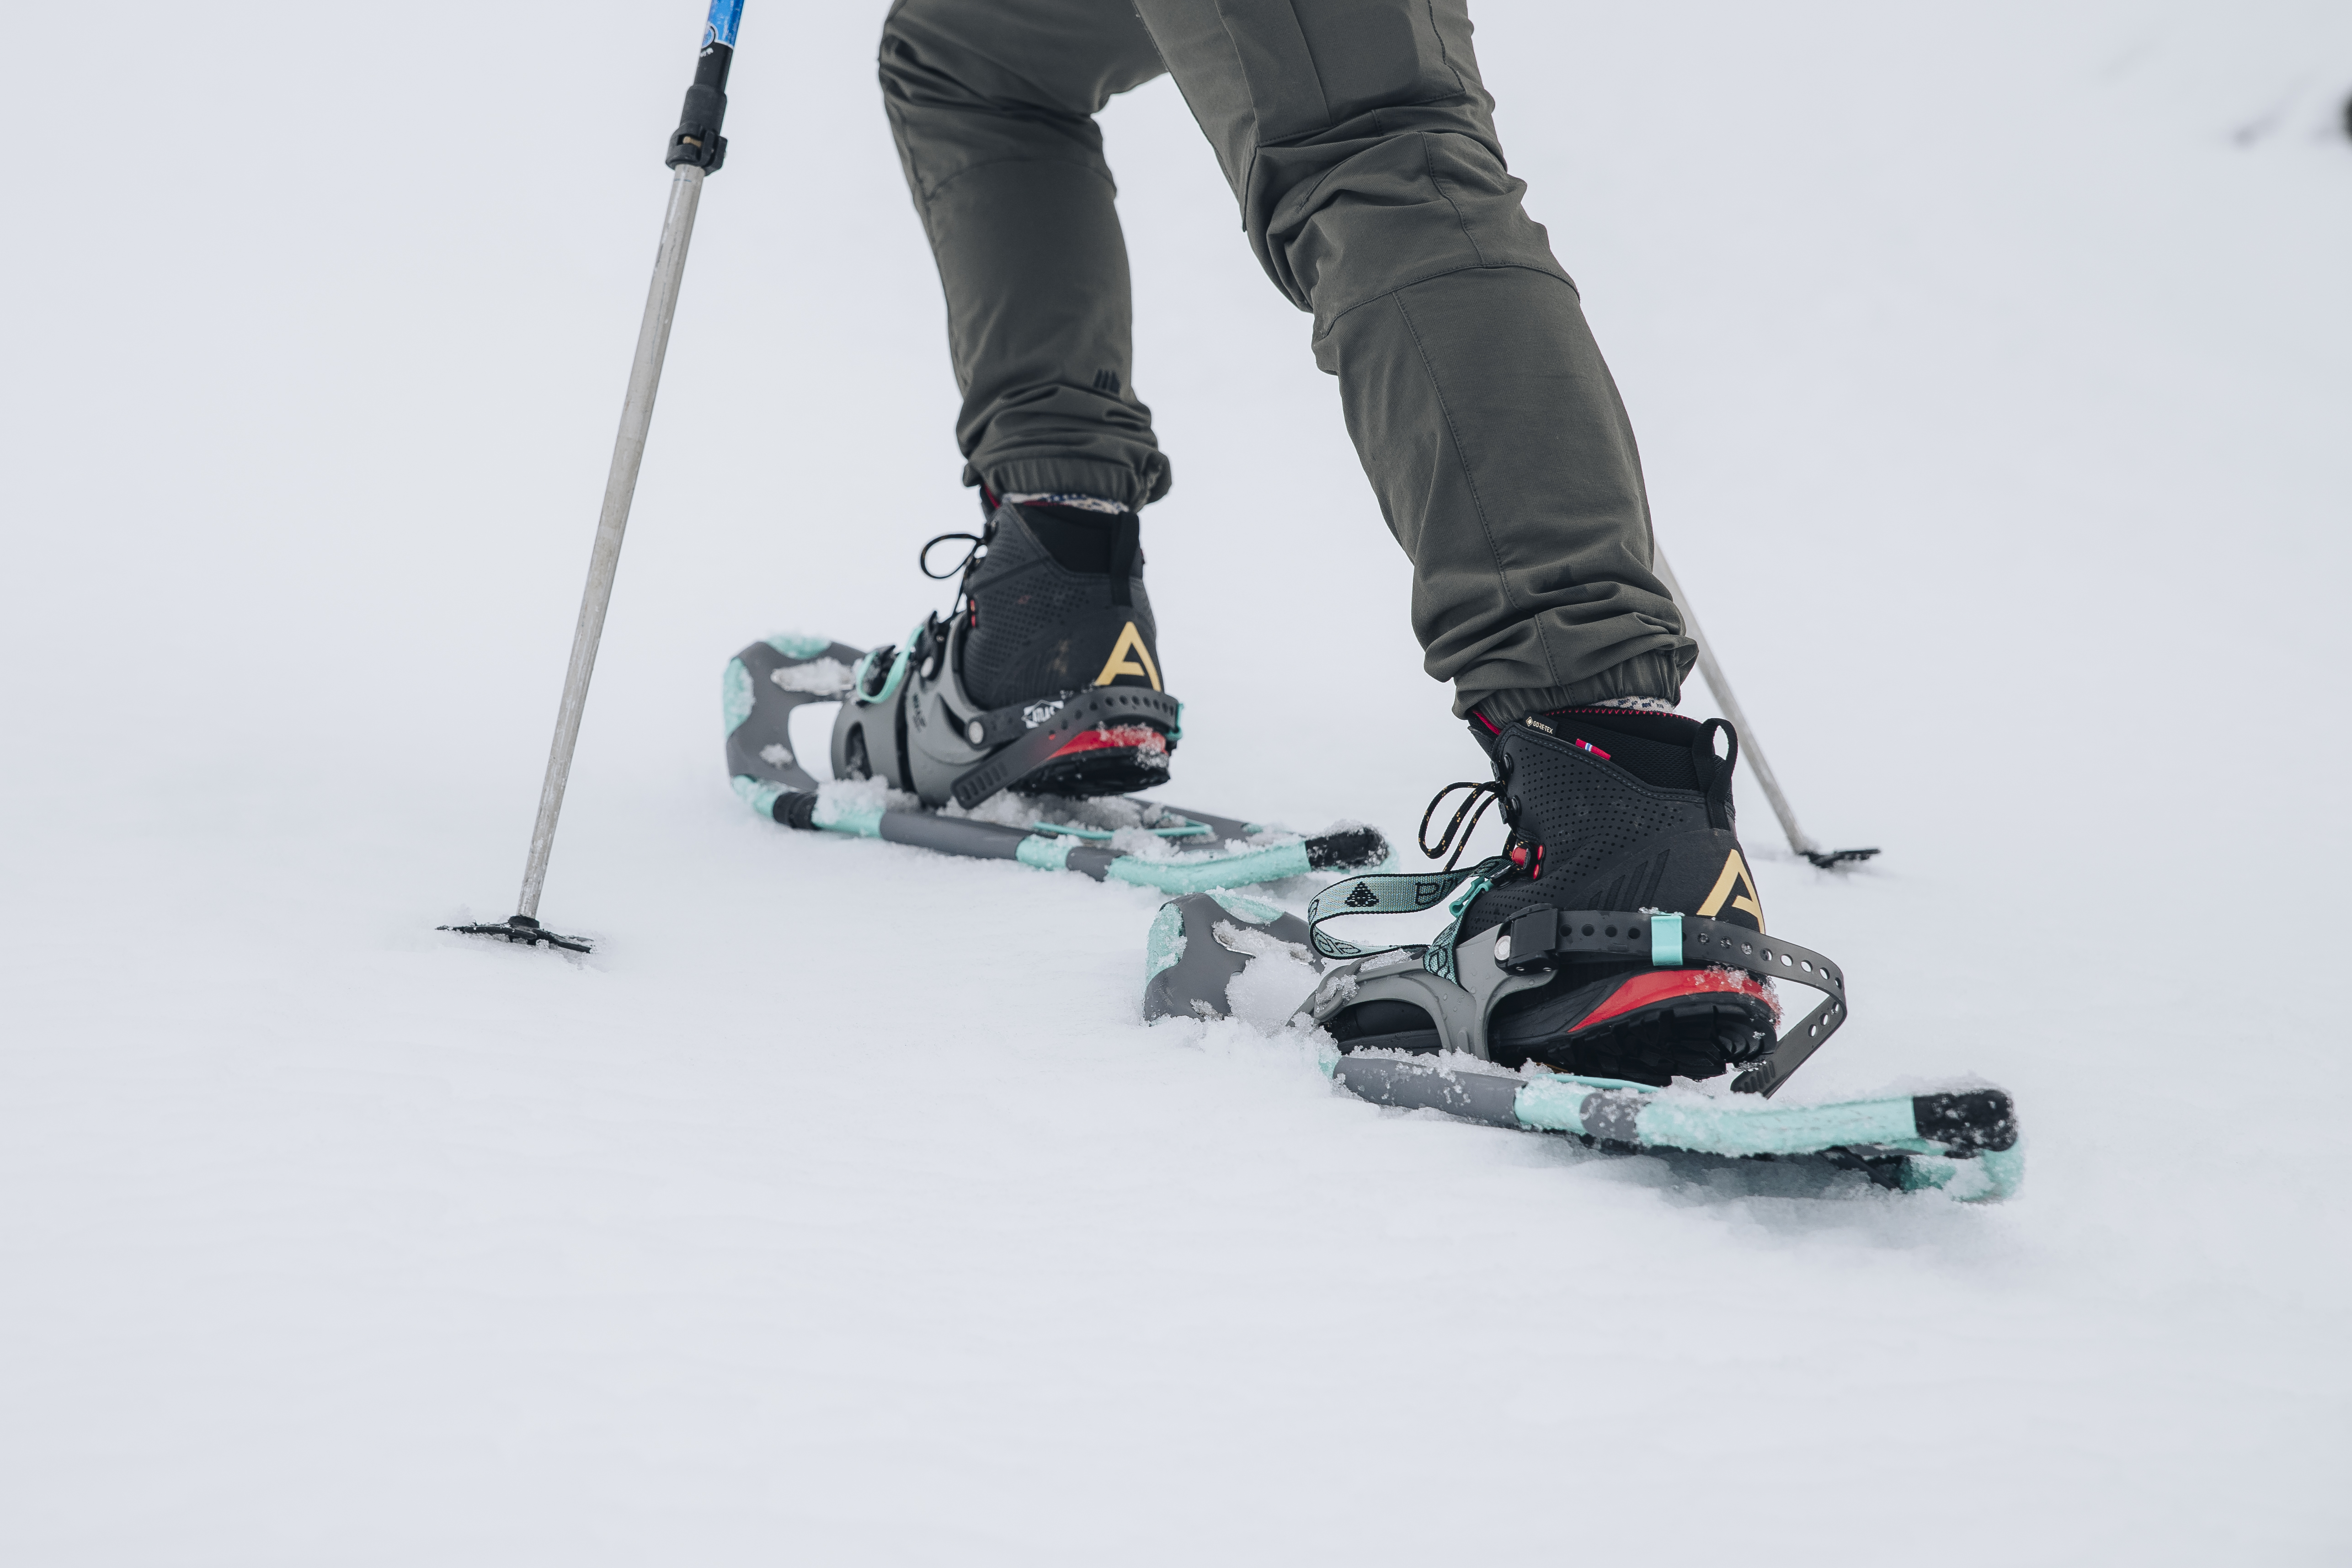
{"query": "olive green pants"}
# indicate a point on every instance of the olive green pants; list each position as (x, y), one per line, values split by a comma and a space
(1361, 146)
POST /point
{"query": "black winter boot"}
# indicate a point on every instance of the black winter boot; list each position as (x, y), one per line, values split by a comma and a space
(1045, 679)
(1613, 808)
(1054, 604)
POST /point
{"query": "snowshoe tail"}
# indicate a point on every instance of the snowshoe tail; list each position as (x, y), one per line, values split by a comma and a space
(765, 685)
(1199, 945)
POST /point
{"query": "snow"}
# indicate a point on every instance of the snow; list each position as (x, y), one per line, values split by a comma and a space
(1273, 983)
(1988, 364)
(1118, 816)
(819, 677)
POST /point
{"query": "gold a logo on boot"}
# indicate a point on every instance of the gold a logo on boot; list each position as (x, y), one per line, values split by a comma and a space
(1735, 888)
(1124, 655)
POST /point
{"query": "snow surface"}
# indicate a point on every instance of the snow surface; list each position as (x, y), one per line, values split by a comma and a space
(1989, 363)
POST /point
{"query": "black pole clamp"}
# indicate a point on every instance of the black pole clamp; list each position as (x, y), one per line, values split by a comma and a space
(696, 140)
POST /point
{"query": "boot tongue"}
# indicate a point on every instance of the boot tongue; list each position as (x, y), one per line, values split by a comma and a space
(1659, 749)
(1095, 542)
(1081, 539)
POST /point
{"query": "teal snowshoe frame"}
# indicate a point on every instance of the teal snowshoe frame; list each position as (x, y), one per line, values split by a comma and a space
(1961, 1141)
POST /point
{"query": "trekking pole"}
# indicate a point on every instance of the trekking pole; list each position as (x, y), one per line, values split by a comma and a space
(1713, 672)
(696, 150)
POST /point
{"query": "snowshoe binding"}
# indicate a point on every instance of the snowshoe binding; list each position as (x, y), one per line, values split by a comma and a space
(1045, 679)
(1627, 934)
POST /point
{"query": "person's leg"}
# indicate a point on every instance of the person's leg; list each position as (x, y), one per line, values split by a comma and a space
(1045, 677)
(1361, 145)
(993, 106)
(1359, 140)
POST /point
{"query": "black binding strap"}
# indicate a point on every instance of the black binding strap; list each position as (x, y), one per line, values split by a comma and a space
(999, 725)
(1092, 708)
(1547, 938)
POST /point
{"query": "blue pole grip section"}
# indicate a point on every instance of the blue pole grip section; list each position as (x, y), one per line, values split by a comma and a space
(726, 15)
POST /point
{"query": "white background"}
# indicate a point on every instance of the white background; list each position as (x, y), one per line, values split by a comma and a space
(1993, 370)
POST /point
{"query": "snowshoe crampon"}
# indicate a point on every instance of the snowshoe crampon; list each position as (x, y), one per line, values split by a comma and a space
(1045, 785)
(1423, 1017)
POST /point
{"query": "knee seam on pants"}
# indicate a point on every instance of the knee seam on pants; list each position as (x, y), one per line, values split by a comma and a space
(1469, 478)
(1379, 123)
(1395, 289)
(1099, 174)
(1428, 169)
(1438, 33)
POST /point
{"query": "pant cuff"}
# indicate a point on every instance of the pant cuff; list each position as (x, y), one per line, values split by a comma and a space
(1658, 673)
(1075, 475)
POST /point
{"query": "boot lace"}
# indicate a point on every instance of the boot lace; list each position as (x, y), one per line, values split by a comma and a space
(923, 558)
(966, 608)
(1483, 793)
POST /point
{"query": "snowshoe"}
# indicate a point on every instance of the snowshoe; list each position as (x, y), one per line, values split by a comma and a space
(1962, 1140)
(1108, 838)
(1045, 679)
(1616, 945)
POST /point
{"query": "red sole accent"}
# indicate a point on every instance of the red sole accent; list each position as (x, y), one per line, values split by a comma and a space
(1128, 737)
(1658, 986)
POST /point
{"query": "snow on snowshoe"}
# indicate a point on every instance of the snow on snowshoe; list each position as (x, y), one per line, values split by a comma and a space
(1200, 944)
(1960, 1141)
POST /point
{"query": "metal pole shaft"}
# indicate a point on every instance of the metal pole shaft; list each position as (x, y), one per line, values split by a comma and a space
(620, 489)
(1749, 745)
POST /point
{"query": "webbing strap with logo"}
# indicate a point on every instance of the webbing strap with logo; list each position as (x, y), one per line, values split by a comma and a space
(1398, 893)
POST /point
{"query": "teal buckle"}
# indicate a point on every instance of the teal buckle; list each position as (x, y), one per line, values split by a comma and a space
(1667, 940)
(897, 677)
